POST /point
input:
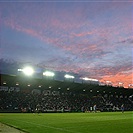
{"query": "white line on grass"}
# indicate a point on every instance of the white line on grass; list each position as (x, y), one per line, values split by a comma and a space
(52, 127)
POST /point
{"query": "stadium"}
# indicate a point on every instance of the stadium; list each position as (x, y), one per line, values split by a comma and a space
(64, 106)
(66, 66)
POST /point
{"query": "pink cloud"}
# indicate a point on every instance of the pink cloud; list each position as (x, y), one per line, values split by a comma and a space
(84, 33)
(115, 79)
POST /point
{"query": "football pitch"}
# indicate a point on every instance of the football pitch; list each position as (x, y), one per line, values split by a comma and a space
(111, 122)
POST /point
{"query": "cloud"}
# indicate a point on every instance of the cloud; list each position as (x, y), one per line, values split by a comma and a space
(127, 41)
(115, 79)
(89, 41)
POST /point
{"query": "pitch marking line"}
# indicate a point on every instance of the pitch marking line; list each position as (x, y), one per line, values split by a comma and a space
(52, 127)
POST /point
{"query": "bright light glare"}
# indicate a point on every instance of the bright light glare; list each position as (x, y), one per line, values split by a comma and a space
(28, 71)
(85, 78)
(20, 70)
(47, 73)
(69, 76)
(108, 81)
(90, 79)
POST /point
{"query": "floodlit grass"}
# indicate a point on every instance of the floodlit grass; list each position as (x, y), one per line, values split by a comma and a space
(115, 122)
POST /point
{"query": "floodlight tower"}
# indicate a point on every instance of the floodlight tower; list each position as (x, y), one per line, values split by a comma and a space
(89, 79)
(48, 74)
(84, 79)
(28, 71)
(67, 76)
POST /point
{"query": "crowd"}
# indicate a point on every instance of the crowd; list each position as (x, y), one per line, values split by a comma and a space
(35, 102)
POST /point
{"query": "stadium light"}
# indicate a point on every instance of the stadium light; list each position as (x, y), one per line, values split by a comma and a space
(69, 76)
(90, 79)
(85, 78)
(17, 84)
(68, 89)
(48, 73)
(93, 79)
(120, 84)
(20, 70)
(40, 86)
(27, 70)
(109, 83)
(4, 83)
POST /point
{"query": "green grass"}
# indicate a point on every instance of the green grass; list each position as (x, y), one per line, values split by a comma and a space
(115, 122)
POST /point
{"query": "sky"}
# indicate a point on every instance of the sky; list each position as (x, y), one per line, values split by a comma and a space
(91, 39)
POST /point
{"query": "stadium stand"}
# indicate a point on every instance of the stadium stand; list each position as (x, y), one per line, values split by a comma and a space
(24, 94)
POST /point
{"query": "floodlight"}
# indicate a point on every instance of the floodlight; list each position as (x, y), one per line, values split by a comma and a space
(85, 78)
(90, 79)
(20, 70)
(93, 79)
(17, 84)
(28, 71)
(69, 76)
(4, 83)
(68, 89)
(48, 73)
